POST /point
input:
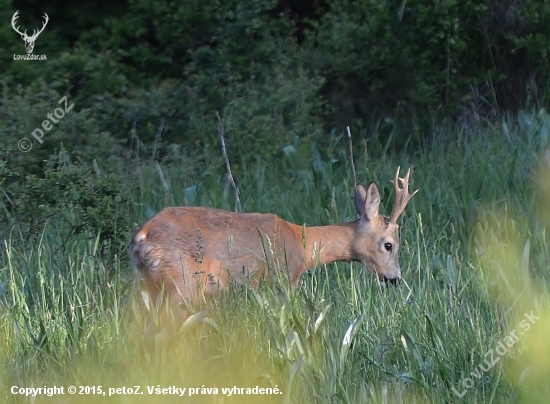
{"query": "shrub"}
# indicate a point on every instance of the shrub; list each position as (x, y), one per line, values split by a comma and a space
(69, 195)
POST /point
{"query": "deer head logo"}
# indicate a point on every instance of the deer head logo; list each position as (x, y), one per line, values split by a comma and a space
(29, 40)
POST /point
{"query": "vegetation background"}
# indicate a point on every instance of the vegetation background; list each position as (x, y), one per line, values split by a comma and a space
(457, 90)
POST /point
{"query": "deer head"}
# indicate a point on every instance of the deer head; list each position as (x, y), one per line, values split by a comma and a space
(377, 239)
(29, 40)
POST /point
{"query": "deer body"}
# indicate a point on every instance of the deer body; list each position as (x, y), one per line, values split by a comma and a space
(198, 251)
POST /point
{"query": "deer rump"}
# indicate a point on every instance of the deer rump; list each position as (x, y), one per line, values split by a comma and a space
(190, 251)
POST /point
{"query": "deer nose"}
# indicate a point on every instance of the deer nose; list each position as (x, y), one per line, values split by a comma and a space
(385, 280)
(395, 281)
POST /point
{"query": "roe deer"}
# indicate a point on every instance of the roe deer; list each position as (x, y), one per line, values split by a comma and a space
(197, 251)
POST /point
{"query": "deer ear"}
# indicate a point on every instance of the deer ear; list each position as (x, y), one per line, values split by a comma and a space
(367, 201)
(360, 198)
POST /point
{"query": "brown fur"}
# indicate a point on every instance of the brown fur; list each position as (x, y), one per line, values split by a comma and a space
(194, 251)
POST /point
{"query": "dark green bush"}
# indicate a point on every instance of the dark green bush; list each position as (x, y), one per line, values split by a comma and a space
(71, 195)
(152, 75)
(453, 58)
(23, 109)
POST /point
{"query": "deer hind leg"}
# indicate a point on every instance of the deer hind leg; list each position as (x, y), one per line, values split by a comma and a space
(166, 302)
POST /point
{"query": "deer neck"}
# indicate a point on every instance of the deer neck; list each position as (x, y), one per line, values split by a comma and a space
(326, 244)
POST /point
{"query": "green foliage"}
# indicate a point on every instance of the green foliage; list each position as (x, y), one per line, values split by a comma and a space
(69, 193)
(67, 316)
(154, 74)
(530, 36)
(24, 109)
(397, 59)
(57, 298)
(148, 79)
(154, 82)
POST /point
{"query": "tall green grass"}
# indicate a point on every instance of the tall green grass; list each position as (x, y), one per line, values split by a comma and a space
(474, 256)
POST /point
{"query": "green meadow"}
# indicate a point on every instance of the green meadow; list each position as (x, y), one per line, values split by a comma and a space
(468, 324)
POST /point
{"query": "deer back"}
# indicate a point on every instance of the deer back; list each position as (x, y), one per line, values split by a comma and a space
(185, 249)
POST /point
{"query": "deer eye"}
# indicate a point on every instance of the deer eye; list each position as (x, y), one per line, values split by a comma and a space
(388, 247)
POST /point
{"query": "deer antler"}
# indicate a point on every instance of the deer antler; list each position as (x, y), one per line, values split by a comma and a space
(402, 196)
(46, 19)
(43, 26)
(15, 17)
(34, 33)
